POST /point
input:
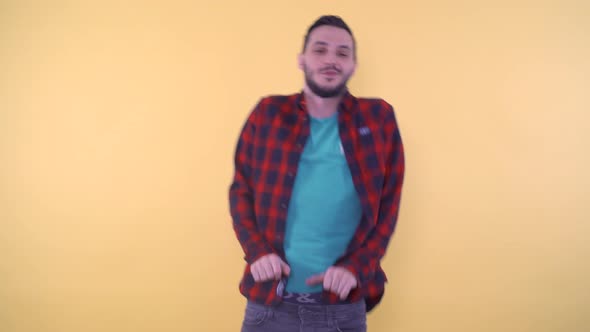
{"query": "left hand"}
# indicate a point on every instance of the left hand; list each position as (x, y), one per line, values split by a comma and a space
(336, 279)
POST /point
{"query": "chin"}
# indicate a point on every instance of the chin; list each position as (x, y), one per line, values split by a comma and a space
(330, 86)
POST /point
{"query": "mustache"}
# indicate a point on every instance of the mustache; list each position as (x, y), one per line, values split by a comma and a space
(332, 68)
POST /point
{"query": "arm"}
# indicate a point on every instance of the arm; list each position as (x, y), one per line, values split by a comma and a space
(363, 262)
(241, 195)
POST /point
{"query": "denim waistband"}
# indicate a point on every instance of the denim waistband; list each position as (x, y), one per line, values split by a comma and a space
(302, 298)
(298, 308)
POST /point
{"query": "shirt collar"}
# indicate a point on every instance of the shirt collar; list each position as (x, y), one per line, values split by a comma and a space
(346, 103)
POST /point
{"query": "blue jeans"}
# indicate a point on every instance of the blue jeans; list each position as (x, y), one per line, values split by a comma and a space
(291, 317)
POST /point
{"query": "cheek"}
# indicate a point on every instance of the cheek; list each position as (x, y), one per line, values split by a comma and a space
(349, 71)
(310, 70)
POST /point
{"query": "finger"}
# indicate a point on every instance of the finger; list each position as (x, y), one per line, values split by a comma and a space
(275, 265)
(260, 268)
(316, 279)
(336, 281)
(261, 271)
(255, 272)
(344, 289)
(328, 279)
(268, 271)
(286, 270)
(354, 282)
(345, 283)
(344, 293)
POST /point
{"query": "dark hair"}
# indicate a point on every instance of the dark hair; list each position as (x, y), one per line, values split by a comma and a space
(330, 20)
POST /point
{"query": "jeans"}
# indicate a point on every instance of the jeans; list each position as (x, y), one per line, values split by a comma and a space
(291, 317)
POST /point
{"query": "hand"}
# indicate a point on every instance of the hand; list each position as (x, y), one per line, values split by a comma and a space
(336, 279)
(269, 267)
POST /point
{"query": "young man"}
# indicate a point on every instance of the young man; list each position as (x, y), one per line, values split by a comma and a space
(315, 195)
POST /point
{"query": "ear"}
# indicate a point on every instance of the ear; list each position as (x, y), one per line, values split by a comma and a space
(300, 61)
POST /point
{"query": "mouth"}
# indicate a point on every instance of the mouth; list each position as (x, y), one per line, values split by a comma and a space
(330, 73)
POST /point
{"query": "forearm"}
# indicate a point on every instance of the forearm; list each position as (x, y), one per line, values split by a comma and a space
(241, 195)
(364, 261)
(244, 223)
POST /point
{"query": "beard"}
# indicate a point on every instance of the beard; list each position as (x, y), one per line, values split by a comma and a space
(325, 92)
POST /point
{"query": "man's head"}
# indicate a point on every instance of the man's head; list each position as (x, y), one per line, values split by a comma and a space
(328, 58)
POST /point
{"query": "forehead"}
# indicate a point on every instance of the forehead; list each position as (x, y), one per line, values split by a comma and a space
(331, 36)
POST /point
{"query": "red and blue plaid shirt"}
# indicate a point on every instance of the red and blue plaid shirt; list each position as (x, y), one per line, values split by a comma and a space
(266, 159)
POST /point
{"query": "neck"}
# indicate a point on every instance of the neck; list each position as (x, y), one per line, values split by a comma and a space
(319, 107)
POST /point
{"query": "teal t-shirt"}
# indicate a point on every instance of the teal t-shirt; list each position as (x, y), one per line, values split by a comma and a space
(324, 210)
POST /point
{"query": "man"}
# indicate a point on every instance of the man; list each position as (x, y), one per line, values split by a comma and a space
(315, 195)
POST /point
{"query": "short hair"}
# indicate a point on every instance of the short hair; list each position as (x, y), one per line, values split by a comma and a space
(329, 20)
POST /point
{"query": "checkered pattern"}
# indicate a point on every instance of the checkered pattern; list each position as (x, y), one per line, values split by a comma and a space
(266, 159)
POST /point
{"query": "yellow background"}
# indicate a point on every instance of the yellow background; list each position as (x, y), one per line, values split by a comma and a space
(118, 122)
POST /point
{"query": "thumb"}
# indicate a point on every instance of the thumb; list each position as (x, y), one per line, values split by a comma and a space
(316, 279)
(285, 268)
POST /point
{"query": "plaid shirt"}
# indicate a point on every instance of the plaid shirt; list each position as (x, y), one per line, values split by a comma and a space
(266, 159)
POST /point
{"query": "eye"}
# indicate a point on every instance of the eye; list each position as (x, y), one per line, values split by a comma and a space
(343, 54)
(319, 51)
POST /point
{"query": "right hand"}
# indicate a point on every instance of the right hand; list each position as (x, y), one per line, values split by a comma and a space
(269, 267)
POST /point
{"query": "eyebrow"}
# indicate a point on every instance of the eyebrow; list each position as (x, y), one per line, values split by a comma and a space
(322, 43)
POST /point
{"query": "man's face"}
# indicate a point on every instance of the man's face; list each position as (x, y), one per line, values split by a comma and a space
(328, 61)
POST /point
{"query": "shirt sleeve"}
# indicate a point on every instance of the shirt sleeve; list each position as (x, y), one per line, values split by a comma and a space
(241, 193)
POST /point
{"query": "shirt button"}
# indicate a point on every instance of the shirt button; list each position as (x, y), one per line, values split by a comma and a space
(290, 174)
(283, 205)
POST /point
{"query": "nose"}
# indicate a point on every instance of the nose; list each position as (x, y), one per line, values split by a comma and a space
(331, 59)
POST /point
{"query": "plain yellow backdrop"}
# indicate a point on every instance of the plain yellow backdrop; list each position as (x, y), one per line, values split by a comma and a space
(118, 121)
